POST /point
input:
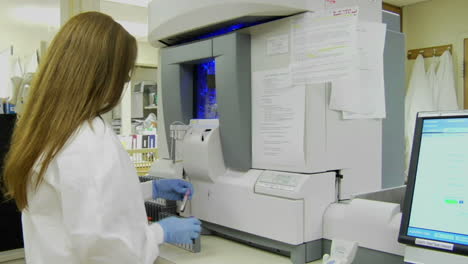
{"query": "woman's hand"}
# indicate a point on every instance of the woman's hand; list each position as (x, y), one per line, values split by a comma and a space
(180, 230)
(171, 189)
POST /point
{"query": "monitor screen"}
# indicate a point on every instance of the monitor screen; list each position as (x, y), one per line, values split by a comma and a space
(436, 210)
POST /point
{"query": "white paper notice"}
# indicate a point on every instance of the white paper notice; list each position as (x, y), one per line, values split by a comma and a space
(324, 45)
(373, 94)
(278, 45)
(278, 119)
(363, 94)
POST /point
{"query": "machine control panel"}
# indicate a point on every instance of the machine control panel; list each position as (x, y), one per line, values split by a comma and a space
(278, 180)
(280, 184)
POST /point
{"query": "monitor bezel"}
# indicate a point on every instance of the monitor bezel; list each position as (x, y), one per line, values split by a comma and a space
(403, 237)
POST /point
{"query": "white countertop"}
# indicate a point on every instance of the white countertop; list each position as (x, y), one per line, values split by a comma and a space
(216, 250)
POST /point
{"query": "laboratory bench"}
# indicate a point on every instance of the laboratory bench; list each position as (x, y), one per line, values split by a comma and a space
(15, 256)
(215, 250)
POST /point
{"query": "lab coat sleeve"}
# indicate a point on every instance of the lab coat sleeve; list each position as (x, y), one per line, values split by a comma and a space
(103, 209)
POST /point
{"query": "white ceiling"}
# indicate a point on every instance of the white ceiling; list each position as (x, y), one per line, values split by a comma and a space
(142, 3)
(404, 2)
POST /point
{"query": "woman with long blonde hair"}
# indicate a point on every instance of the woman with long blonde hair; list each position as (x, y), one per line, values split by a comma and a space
(77, 189)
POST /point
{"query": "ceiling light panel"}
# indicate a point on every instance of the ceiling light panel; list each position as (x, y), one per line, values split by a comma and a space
(141, 3)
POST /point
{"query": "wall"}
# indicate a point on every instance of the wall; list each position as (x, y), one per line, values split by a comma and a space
(25, 39)
(434, 23)
(24, 24)
(135, 19)
(147, 54)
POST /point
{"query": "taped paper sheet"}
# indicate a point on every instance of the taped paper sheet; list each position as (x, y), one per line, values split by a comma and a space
(362, 95)
(278, 45)
(278, 118)
(323, 45)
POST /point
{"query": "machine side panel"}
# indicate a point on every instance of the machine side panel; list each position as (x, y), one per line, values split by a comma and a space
(393, 145)
(392, 20)
(315, 134)
(177, 80)
(233, 81)
(373, 224)
(355, 147)
(319, 194)
(163, 148)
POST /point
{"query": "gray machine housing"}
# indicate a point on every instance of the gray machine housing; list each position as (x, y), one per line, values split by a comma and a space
(233, 80)
(233, 83)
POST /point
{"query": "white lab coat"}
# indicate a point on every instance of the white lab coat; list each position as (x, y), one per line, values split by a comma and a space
(16, 80)
(89, 208)
(6, 90)
(446, 97)
(418, 98)
(432, 81)
(10, 76)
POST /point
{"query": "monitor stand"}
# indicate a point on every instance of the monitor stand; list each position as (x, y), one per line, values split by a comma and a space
(416, 255)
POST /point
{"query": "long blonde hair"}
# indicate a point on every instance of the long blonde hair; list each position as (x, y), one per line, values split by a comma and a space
(81, 77)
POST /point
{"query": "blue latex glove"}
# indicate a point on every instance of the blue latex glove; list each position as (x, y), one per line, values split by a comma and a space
(171, 189)
(180, 230)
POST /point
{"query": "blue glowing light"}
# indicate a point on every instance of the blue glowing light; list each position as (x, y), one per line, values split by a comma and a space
(223, 31)
(206, 104)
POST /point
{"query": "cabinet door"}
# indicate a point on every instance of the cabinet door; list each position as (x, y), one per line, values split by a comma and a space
(10, 221)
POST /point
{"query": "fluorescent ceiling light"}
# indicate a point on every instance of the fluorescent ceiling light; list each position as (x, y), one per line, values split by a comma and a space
(138, 30)
(44, 16)
(142, 3)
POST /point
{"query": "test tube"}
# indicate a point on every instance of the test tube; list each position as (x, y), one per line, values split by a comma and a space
(184, 201)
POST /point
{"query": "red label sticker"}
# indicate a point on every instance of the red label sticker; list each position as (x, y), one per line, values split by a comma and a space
(346, 11)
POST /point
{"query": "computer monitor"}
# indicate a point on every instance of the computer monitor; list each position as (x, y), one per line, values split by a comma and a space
(435, 214)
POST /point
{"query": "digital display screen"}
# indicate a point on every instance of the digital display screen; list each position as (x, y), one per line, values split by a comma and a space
(439, 208)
